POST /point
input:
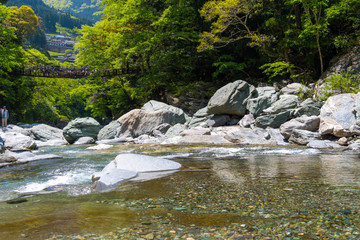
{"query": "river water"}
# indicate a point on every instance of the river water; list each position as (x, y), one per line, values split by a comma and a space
(222, 191)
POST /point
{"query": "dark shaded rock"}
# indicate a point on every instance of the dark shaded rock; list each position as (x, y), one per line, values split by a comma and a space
(231, 99)
(272, 120)
(81, 127)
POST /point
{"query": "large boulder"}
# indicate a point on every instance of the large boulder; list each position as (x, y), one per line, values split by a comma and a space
(285, 102)
(18, 142)
(266, 97)
(153, 106)
(339, 115)
(110, 131)
(138, 122)
(303, 123)
(81, 127)
(45, 132)
(126, 166)
(273, 120)
(231, 99)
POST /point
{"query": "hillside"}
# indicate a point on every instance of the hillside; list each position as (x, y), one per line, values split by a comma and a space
(50, 16)
(80, 8)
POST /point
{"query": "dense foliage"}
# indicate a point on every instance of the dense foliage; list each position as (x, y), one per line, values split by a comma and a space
(165, 46)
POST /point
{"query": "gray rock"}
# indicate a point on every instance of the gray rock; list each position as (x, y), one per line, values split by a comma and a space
(309, 108)
(231, 99)
(266, 97)
(81, 127)
(7, 158)
(203, 112)
(25, 157)
(51, 143)
(294, 88)
(139, 122)
(278, 137)
(163, 128)
(196, 131)
(84, 140)
(323, 144)
(266, 91)
(200, 118)
(45, 132)
(257, 136)
(272, 120)
(303, 137)
(153, 106)
(146, 139)
(337, 116)
(17, 129)
(350, 61)
(247, 121)
(304, 123)
(110, 131)
(196, 139)
(175, 130)
(285, 102)
(218, 120)
(18, 142)
(114, 140)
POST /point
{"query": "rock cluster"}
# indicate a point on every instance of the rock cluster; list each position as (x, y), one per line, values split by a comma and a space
(243, 114)
(238, 113)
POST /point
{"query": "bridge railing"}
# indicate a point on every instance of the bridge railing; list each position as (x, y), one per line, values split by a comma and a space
(69, 73)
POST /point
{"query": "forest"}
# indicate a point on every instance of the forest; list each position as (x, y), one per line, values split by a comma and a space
(172, 47)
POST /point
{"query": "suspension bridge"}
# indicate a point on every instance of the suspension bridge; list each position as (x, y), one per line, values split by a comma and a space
(58, 72)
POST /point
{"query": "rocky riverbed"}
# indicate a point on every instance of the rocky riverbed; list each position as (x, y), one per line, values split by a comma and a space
(235, 204)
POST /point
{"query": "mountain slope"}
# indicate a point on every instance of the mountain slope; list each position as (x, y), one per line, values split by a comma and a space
(50, 16)
(81, 8)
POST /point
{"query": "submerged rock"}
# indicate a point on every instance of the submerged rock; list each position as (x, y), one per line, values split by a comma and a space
(126, 166)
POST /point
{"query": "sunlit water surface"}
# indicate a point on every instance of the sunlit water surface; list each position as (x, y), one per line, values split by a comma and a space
(239, 184)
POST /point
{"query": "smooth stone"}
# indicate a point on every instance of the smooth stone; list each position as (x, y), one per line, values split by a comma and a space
(303, 137)
(84, 140)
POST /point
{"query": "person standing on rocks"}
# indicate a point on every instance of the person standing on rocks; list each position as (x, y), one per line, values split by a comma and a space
(4, 115)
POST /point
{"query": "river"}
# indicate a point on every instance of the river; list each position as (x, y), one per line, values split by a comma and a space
(220, 192)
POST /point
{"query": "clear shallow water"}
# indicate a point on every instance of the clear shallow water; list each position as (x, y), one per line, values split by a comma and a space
(60, 199)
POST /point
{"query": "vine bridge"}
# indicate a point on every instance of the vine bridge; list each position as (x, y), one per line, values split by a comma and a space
(58, 72)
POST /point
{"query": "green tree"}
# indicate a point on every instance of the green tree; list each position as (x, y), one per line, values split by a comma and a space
(24, 20)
